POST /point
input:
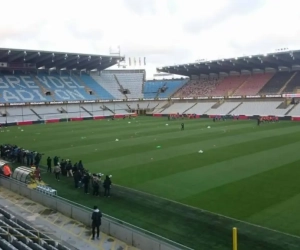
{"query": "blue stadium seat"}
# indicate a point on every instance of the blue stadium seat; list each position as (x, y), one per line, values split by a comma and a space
(97, 88)
(64, 88)
(16, 88)
(151, 88)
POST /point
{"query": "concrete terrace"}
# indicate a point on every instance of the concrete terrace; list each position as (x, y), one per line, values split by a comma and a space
(65, 230)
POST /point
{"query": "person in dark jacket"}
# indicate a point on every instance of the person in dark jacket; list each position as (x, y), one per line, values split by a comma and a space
(49, 163)
(96, 222)
(86, 181)
(106, 185)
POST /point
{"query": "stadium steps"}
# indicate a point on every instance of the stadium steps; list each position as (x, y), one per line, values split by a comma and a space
(234, 108)
(33, 111)
(218, 104)
(86, 111)
(86, 88)
(294, 106)
(44, 90)
(159, 90)
(284, 104)
(189, 108)
(242, 85)
(287, 82)
(107, 108)
(165, 106)
(120, 85)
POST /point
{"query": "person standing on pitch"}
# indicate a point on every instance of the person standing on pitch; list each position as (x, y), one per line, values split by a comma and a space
(96, 222)
(182, 126)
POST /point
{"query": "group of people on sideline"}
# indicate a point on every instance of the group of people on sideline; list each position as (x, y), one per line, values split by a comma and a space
(82, 178)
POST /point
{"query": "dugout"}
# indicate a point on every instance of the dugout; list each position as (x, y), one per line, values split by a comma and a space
(23, 174)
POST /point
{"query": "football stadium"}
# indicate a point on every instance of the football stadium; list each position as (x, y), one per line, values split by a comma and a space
(207, 160)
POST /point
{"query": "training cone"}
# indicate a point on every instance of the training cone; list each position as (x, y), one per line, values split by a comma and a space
(158, 146)
(117, 139)
(200, 151)
(167, 124)
(208, 126)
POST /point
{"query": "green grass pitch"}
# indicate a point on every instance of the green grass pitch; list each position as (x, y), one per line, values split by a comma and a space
(246, 172)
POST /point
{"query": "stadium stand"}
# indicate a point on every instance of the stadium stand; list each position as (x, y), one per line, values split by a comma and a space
(293, 85)
(162, 88)
(27, 225)
(133, 82)
(261, 108)
(201, 108)
(228, 85)
(224, 109)
(20, 89)
(194, 88)
(254, 84)
(178, 108)
(101, 92)
(276, 83)
(109, 82)
(64, 87)
(295, 111)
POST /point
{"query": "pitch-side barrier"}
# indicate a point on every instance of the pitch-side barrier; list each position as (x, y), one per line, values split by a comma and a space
(121, 230)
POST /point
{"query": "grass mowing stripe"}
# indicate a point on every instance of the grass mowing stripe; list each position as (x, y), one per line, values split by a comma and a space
(191, 182)
(248, 197)
(141, 158)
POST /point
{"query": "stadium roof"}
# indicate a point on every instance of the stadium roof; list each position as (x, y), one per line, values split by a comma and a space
(29, 59)
(277, 61)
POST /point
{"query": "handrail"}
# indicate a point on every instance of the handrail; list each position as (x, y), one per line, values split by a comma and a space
(113, 219)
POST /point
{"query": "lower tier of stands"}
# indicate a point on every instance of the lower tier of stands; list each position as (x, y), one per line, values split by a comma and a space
(100, 110)
(242, 107)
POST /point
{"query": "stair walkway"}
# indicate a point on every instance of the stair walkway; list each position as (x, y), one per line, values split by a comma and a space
(65, 230)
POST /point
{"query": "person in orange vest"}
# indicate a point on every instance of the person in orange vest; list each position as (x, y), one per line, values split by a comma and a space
(6, 171)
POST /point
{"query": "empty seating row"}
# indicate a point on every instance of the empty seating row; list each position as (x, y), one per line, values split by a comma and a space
(195, 88)
(133, 82)
(261, 108)
(229, 85)
(224, 109)
(17, 234)
(253, 84)
(110, 84)
(293, 85)
(276, 83)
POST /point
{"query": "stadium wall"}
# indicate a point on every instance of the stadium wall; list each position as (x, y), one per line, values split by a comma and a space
(128, 233)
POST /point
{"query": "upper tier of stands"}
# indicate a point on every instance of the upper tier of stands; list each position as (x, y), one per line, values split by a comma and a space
(194, 88)
(293, 84)
(162, 88)
(276, 83)
(133, 82)
(228, 85)
(253, 84)
(108, 86)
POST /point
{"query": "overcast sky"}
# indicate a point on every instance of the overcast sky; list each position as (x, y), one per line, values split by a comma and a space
(166, 32)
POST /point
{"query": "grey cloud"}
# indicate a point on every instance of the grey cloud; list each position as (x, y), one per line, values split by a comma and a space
(235, 8)
(141, 7)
